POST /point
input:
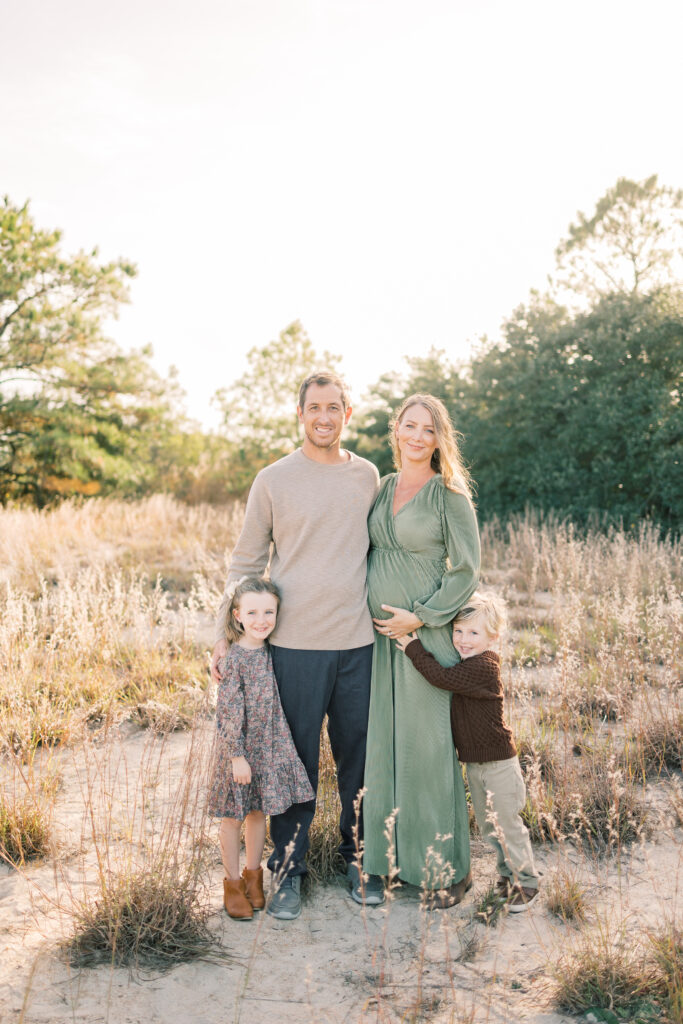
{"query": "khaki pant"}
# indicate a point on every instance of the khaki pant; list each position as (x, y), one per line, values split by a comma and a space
(499, 822)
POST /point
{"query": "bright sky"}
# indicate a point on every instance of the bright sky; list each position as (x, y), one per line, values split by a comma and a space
(394, 173)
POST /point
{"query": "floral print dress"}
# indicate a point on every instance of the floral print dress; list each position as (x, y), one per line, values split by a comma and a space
(251, 723)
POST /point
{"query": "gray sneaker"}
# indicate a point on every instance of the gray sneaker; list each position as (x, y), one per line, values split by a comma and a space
(369, 893)
(285, 903)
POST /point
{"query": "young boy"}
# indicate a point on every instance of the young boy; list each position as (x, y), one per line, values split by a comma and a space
(484, 742)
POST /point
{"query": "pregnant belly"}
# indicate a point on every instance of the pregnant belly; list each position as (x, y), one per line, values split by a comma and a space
(396, 578)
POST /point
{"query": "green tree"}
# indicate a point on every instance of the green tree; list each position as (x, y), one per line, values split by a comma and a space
(578, 407)
(259, 409)
(75, 411)
(581, 413)
(632, 243)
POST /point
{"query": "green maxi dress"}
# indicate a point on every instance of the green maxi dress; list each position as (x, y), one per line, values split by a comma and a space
(426, 559)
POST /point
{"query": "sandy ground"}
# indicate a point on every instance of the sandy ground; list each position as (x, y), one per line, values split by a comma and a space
(334, 964)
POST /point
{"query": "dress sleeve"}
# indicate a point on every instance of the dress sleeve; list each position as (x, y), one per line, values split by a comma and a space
(461, 539)
(231, 718)
(251, 553)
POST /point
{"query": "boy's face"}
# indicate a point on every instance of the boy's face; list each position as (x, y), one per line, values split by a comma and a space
(470, 636)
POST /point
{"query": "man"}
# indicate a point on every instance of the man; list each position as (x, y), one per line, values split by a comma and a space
(313, 506)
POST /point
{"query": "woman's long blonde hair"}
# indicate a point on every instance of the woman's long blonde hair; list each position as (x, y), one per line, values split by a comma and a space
(446, 459)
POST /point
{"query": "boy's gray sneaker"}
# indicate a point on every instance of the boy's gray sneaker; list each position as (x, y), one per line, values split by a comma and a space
(369, 893)
(285, 903)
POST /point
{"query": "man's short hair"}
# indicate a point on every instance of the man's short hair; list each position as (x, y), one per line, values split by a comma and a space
(323, 377)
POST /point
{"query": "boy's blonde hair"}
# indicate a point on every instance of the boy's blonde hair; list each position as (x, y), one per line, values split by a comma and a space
(491, 606)
(247, 585)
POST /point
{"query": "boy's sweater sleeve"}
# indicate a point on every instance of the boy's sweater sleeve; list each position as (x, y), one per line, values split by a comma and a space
(474, 677)
(231, 719)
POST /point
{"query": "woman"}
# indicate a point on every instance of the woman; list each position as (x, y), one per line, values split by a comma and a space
(423, 565)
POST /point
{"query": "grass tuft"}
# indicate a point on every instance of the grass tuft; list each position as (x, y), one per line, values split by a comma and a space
(146, 918)
(150, 904)
(603, 971)
(595, 802)
(666, 949)
(658, 738)
(565, 897)
(324, 860)
(25, 828)
(489, 907)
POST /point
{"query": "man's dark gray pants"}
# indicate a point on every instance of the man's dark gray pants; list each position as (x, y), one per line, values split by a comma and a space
(313, 684)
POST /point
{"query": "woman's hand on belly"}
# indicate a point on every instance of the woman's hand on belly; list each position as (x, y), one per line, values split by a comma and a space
(399, 624)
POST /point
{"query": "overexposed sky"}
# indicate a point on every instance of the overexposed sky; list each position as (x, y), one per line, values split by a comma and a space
(394, 174)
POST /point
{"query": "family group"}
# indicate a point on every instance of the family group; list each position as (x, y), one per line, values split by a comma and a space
(370, 617)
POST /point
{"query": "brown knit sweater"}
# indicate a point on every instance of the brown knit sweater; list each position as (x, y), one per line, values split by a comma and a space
(477, 723)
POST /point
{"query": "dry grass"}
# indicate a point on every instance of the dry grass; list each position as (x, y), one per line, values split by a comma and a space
(27, 799)
(593, 801)
(99, 613)
(324, 860)
(151, 841)
(25, 828)
(621, 976)
(86, 651)
(159, 533)
(565, 896)
(100, 607)
(605, 971)
(666, 950)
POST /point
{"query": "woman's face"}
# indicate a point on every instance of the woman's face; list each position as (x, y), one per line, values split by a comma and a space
(416, 436)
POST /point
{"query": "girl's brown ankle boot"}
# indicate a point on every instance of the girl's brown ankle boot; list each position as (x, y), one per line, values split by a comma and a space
(235, 899)
(253, 881)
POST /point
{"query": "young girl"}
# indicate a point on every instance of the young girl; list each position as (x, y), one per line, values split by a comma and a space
(484, 741)
(257, 770)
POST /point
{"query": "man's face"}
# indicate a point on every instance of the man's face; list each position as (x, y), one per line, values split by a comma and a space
(323, 415)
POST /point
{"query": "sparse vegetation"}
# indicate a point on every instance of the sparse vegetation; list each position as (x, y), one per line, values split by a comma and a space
(25, 831)
(150, 905)
(603, 969)
(621, 977)
(324, 860)
(100, 611)
(489, 907)
(565, 896)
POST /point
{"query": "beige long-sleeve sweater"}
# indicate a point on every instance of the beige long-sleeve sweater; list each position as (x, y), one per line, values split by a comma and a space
(315, 515)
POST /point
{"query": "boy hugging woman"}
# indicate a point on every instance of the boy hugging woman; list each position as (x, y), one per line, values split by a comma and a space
(484, 741)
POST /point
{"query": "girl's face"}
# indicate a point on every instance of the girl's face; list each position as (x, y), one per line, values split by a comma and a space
(416, 436)
(471, 636)
(257, 614)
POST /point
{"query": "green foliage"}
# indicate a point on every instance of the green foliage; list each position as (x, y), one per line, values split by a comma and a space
(76, 414)
(630, 243)
(574, 411)
(259, 409)
(581, 413)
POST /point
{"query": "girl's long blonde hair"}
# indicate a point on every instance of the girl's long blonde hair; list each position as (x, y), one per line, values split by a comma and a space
(247, 585)
(446, 459)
